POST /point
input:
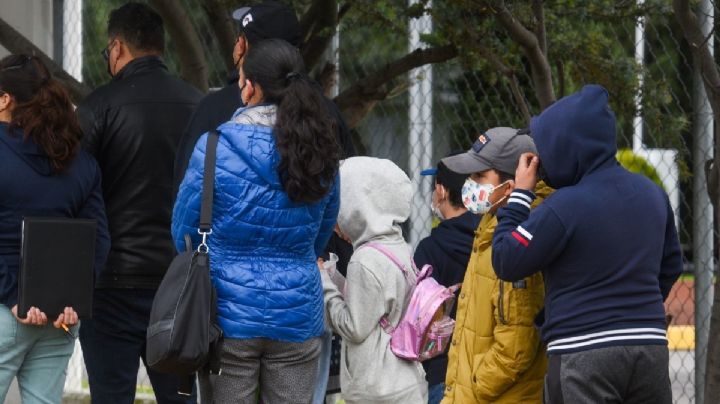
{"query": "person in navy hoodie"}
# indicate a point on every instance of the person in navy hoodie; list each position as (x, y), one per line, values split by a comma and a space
(447, 249)
(275, 206)
(609, 252)
(46, 174)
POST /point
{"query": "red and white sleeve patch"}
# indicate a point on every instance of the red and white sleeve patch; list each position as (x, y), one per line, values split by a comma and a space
(522, 236)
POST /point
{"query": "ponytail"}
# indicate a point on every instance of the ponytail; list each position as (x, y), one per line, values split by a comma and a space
(307, 142)
(305, 132)
(43, 110)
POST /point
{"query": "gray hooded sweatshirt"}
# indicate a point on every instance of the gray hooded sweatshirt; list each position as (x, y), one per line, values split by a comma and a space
(375, 199)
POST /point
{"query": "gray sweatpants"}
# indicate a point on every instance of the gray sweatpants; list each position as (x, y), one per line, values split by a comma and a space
(621, 374)
(285, 372)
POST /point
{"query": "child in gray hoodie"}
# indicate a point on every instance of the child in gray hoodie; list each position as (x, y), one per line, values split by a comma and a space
(375, 200)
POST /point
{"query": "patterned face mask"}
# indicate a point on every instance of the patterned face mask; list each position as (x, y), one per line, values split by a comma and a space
(476, 197)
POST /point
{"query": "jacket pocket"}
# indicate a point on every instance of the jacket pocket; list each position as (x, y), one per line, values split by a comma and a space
(523, 300)
(8, 328)
(476, 378)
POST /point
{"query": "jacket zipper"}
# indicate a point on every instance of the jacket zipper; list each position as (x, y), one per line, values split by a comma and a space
(501, 311)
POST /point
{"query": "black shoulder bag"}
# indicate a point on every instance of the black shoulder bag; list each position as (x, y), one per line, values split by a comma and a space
(183, 336)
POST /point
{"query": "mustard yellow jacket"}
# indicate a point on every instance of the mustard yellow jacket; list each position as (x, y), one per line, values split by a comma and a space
(496, 355)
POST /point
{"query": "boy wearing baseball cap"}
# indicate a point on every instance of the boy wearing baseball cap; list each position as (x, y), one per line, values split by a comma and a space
(447, 249)
(496, 354)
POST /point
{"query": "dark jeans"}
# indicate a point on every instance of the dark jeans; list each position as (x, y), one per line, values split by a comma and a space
(436, 392)
(113, 343)
(620, 374)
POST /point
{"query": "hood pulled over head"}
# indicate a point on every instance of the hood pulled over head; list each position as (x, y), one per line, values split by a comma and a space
(575, 136)
(375, 197)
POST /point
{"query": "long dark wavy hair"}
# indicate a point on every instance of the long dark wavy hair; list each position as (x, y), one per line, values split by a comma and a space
(305, 132)
(43, 109)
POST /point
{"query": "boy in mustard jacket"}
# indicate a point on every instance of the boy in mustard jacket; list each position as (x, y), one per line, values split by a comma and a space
(496, 354)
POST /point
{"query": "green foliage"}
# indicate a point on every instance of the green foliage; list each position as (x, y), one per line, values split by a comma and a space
(589, 41)
(638, 165)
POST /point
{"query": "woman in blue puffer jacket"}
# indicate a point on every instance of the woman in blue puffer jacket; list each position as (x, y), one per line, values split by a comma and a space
(275, 205)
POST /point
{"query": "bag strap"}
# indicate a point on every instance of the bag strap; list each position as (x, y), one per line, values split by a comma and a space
(208, 182)
(386, 252)
(384, 320)
(208, 189)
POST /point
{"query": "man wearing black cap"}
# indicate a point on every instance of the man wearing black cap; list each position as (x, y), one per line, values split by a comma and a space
(268, 20)
(447, 249)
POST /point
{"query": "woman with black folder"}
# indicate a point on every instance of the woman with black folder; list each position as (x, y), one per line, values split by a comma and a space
(43, 173)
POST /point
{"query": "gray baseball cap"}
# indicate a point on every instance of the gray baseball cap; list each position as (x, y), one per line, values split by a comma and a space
(498, 148)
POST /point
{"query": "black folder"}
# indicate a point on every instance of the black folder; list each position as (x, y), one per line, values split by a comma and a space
(57, 263)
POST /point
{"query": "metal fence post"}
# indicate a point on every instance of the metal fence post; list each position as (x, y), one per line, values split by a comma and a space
(420, 137)
(638, 145)
(72, 38)
(702, 240)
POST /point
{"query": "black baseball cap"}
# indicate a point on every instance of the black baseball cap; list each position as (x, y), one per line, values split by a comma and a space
(269, 20)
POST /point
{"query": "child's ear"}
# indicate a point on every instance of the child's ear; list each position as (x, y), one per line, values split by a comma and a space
(510, 187)
(439, 191)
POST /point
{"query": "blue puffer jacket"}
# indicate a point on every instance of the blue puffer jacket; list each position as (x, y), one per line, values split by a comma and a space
(264, 247)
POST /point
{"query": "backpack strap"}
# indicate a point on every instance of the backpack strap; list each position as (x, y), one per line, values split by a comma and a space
(384, 321)
(386, 252)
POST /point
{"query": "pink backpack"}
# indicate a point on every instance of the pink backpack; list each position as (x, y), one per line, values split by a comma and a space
(425, 329)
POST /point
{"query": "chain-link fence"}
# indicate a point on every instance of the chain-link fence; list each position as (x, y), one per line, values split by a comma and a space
(664, 122)
(665, 132)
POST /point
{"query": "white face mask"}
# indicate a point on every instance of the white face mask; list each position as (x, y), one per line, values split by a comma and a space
(476, 197)
(436, 208)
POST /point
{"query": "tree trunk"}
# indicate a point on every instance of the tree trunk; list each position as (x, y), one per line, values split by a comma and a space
(16, 43)
(703, 59)
(223, 26)
(318, 26)
(533, 49)
(193, 67)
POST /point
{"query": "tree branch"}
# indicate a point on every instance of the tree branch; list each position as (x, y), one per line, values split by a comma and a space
(702, 57)
(193, 66)
(326, 78)
(318, 27)
(359, 98)
(541, 73)
(343, 10)
(539, 13)
(224, 28)
(517, 92)
(561, 77)
(16, 43)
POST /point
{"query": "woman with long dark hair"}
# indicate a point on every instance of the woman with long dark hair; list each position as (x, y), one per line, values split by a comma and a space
(42, 173)
(275, 204)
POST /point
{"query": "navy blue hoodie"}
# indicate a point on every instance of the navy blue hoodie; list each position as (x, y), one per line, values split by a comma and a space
(447, 249)
(605, 241)
(31, 188)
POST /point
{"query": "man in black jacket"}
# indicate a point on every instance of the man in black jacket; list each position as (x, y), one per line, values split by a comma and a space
(268, 20)
(447, 249)
(132, 126)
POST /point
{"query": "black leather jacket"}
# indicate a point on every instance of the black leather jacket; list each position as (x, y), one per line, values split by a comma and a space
(132, 126)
